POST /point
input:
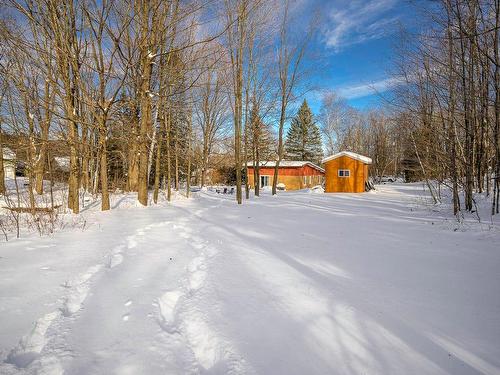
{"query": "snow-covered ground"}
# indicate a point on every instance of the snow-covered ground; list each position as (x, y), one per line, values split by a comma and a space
(301, 283)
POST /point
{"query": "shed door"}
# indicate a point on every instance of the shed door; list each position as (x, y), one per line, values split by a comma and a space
(264, 181)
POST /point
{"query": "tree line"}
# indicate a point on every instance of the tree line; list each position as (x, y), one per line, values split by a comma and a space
(152, 94)
(143, 94)
(441, 123)
(450, 103)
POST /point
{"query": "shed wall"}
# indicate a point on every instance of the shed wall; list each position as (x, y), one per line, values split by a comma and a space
(355, 183)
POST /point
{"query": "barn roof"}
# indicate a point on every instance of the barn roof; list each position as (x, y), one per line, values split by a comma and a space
(352, 155)
(287, 164)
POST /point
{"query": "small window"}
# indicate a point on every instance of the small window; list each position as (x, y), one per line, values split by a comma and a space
(344, 172)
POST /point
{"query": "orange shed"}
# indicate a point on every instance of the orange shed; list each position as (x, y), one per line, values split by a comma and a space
(346, 172)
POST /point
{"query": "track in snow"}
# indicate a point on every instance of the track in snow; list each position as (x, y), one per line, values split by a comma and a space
(300, 283)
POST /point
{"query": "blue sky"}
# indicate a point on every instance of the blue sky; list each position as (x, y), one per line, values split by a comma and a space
(352, 50)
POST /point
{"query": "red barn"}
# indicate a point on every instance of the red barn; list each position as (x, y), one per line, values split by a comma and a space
(293, 175)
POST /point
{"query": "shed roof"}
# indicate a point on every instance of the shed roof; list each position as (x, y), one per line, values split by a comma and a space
(287, 164)
(352, 155)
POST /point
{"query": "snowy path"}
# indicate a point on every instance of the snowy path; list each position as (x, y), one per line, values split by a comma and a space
(298, 284)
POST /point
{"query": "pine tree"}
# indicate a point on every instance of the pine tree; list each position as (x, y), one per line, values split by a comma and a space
(261, 140)
(303, 139)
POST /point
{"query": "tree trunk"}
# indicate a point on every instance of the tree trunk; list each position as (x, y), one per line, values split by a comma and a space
(451, 121)
(104, 167)
(204, 159)
(41, 160)
(257, 172)
(145, 125)
(2, 173)
(496, 137)
(145, 102)
(133, 164)
(167, 142)
(245, 146)
(74, 168)
(157, 167)
(176, 150)
(467, 118)
(85, 160)
(152, 149)
(280, 141)
(238, 104)
(188, 173)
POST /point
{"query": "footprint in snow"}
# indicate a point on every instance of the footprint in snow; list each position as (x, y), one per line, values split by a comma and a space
(115, 260)
(167, 304)
(126, 317)
(128, 303)
(44, 246)
(131, 242)
(197, 244)
(195, 264)
(211, 251)
(196, 280)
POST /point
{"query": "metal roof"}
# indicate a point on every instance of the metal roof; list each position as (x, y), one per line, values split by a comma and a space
(353, 155)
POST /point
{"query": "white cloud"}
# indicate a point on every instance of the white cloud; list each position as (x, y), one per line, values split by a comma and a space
(357, 21)
(360, 91)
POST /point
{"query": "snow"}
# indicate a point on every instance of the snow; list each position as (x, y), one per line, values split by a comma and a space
(167, 303)
(302, 283)
(32, 344)
(353, 155)
(8, 154)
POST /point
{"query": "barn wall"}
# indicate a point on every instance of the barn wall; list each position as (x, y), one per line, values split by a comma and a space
(293, 178)
(307, 170)
(289, 171)
(353, 184)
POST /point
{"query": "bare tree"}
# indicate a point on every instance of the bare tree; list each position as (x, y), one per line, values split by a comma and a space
(237, 13)
(104, 42)
(334, 118)
(289, 61)
(211, 109)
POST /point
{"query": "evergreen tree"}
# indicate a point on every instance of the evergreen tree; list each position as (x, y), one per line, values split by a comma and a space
(261, 139)
(303, 139)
